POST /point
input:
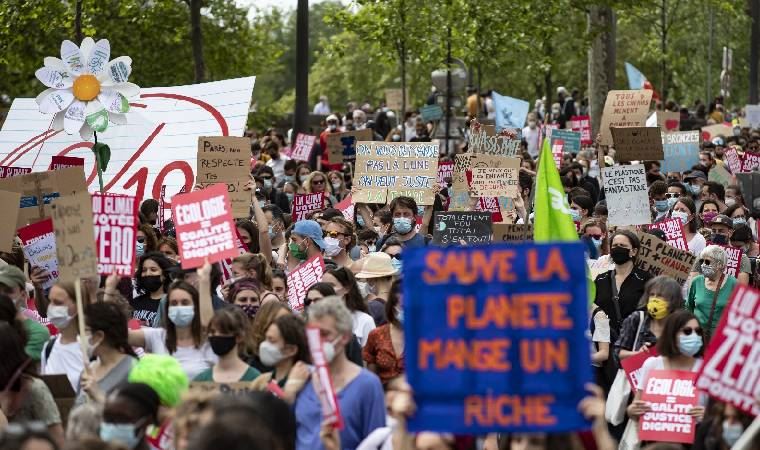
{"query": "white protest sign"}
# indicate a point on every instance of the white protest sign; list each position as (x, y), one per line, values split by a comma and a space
(752, 113)
(625, 188)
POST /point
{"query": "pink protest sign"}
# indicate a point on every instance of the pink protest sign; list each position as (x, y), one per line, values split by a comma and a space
(324, 387)
(674, 235)
(582, 124)
(62, 162)
(671, 395)
(301, 279)
(115, 220)
(305, 204)
(303, 147)
(7, 172)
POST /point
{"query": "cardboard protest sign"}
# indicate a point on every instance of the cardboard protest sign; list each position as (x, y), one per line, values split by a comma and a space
(431, 113)
(625, 188)
(9, 202)
(466, 351)
(674, 233)
(582, 125)
(710, 132)
(632, 366)
(341, 147)
(38, 189)
(721, 175)
(74, 237)
(668, 121)
(624, 109)
(7, 172)
(62, 162)
(637, 144)
(454, 227)
(303, 147)
(507, 232)
(752, 113)
(62, 392)
(394, 98)
(671, 395)
(115, 221)
(681, 150)
(658, 258)
(733, 260)
(571, 140)
(496, 181)
(301, 279)
(323, 386)
(483, 139)
(237, 388)
(306, 204)
(38, 241)
(224, 159)
(445, 173)
(386, 170)
(733, 161)
(750, 162)
(462, 164)
(204, 226)
(598, 266)
(730, 371)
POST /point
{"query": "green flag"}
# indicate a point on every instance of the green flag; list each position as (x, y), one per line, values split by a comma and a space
(552, 220)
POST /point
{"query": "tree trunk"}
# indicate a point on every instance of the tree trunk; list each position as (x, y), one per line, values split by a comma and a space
(196, 38)
(78, 22)
(754, 50)
(301, 110)
(601, 61)
(663, 53)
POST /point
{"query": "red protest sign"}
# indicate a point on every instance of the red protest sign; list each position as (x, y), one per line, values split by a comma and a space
(303, 147)
(731, 371)
(301, 279)
(7, 171)
(750, 161)
(323, 386)
(38, 241)
(115, 221)
(445, 171)
(62, 162)
(347, 207)
(733, 161)
(204, 226)
(557, 147)
(632, 366)
(671, 395)
(305, 204)
(582, 124)
(490, 204)
(674, 235)
(733, 260)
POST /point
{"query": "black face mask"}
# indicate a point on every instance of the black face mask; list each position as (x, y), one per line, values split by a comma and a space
(620, 255)
(221, 345)
(719, 239)
(151, 283)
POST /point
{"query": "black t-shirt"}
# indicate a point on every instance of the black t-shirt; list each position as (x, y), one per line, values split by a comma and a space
(628, 297)
(145, 309)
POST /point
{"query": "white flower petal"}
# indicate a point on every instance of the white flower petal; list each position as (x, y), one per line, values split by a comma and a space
(56, 101)
(55, 63)
(128, 90)
(86, 132)
(57, 124)
(72, 57)
(54, 78)
(117, 71)
(74, 118)
(86, 47)
(96, 116)
(98, 56)
(118, 119)
(41, 96)
(113, 101)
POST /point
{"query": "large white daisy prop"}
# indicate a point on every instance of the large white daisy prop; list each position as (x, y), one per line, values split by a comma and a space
(85, 90)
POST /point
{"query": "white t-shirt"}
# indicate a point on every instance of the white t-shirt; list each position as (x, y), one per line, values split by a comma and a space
(278, 166)
(697, 244)
(363, 324)
(64, 358)
(533, 138)
(193, 360)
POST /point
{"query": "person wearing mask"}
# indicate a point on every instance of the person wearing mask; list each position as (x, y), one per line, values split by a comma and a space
(302, 173)
(393, 247)
(339, 239)
(741, 216)
(619, 290)
(338, 184)
(360, 119)
(145, 240)
(404, 213)
(722, 427)
(358, 391)
(227, 331)
(734, 196)
(532, 136)
(706, 160)
(710, 291)
(376, 274)
(742, 238)
(694, 181)
(108, 342)
(395, 135)
(344, 283)
(685, 211)
(382, 223)
(255, 266)
(305, 242)
(265, 316)
(127, 415)
(275, 225)
(596, 231)
(721, 232)
(277, 159)
(152, 280)
(333, 126)
(168, 246)
(676, 190)
(384, 352)
(323, 107)
(708, 210)
(289, 174)
(581, 208)
(658, 201)
(245, 293)
(13, 285)
(286, 350)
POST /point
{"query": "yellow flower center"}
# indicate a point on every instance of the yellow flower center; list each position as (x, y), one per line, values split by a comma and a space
(86, 87)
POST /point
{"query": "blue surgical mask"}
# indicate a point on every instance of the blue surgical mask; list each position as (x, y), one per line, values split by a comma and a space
(597, 243)
(290, 197)
(267, 184)
(397, 264)
(288, 178)
(271, 233)
(661, 205)
(739, 221)
(360, 221)
(402, 225)
(139, 248)
(400, 314)
(695, 189)
(123, 433)
(303, 178)
(732, 432)
(576, 215)
(182, 316)
(689, 345)
(672, 201)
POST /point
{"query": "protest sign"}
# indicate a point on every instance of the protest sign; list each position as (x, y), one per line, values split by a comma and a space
(445, 173)
(557, 152)
(38, 189)
(624, 109)
(490, 204)
(454, 227)
(462, 164)
(752, 112)
(484, 140)
(571, 140)
(681, 150)
(9, 202)
(115, 221)
(62, 162)
(632, 366)
(625, 188)
(341, 147)
(7, 172)
(509, 112)
(750, 162)
(710, 132)
(638, 144)
(671, 395)
(347, 207)
(306, 204)
(303, 147)
(582, 125)
(720, 174)
(204, 226)
(38, 241)
(674, 234)
(476, 365)
(394, 98)
(74, 237)
(508, 232)
(496, 181)
(730, 372)
(301, 279)
(658, 258)
(386, 170)
(732, 160)
(323, 386)
(733, 260)
(224, 159)
(431, 113)
(668, 121)
(156, 147)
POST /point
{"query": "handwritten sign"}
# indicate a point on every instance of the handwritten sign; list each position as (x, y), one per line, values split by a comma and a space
(301, 279)
(323, 386)
(341, 147)
(483, 139)
(625, 188)
(659, 258)
(671, 395)
(9, 202)
(224, 159)
(445, 173)
(303, 147)
(7, 172)
(508, 232)
(710, 132)
(456, 226)
(733, 260)
(681, 150)
(571, 140)
(386, 170)
(733, 160)
(632, 366)
(638, 144)
(38, 241)
(730, 372)
(62, 162)
(674, 234)
(496, 181)
(582, 125)
(492, 205)
(624, 109)
(74, 237)
(306, 204)
(750, 162)
(115, 221)
(474, 365)
(204, 225)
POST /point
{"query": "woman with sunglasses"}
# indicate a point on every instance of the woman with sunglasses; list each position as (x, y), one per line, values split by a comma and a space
(392, 246)
(596, 231)
(339, 239)
(317, 182)
(709, 291)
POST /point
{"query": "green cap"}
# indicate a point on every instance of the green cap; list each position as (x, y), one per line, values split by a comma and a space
(12, 276)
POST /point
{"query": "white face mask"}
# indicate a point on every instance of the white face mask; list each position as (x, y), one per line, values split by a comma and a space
(332, 246)
(329, 350)
(363, 288)
(532, 124)
(59, 316)
(270, 354)
(91, 346)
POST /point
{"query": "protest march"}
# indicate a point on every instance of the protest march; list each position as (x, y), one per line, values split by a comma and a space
(224, 255)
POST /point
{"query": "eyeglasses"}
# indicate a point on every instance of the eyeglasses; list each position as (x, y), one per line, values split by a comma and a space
(333, 234)
(707, 262)
(397, 257)
(687, 331)
(594, 236)
(322, 181)
(672, 195)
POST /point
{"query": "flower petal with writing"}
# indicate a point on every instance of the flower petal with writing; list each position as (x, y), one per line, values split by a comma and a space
(74, 117)
(128, 90)
(97, 59)
(55, 63)
(58, 120)
(54, 78)
(117, 71)
(96, 116)
(113, 101)
(86, 47)
(72, 57)
(58, 100)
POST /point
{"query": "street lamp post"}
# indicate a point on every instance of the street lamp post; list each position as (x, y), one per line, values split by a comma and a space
(301, 113)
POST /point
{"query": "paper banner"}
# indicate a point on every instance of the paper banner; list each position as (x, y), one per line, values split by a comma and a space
(659, 258)
(301, 279)
(509, 112)
(571, 140)
(625, 188)
(507, 232)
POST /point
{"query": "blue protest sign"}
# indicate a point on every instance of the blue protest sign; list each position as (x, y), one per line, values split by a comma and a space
(510, 112)
(681, 149)
(431, 113)
(496, 337)
(571, 140)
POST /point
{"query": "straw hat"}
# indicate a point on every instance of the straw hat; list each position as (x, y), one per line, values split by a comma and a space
(376, 265)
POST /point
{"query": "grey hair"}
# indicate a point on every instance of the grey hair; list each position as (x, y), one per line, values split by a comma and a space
(716, 253)
(336, 308)
(84, 420)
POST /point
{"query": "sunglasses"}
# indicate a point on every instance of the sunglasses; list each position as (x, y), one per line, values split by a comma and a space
(333, 234)
(594, 236)
(687, 331)
(397, 257)
(672, 195)
(317, 181)
(141, 239)
(707, 262)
